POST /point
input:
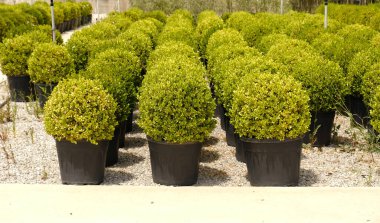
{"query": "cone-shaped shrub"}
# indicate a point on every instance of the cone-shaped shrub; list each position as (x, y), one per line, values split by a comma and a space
(80, 109)
(175, 103)
(50, 63)
(270, 106)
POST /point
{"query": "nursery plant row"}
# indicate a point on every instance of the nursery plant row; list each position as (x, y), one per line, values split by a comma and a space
(275, 80)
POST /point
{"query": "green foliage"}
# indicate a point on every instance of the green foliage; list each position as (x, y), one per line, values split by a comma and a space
(118, 20)
(371, 81)
(310, 27)
(79, 47)
(175, 102)
(173, 49)
(356, 38)
(322, 79)
(101, 31)
(359, 65)
(375, 110)
(134, 13)
(140, 43)
(223, 37)
(208, 23)
(237, 20)
(157, 14)
(177, 33)
(268, 41)
(16, 51)
(225, 53)
(47, 30)
(232, 72)
(50, 63)
(376, 40)
(326, 44)
(112, 72)
(80, 109)
(159, 25)
(269, 106)
(147, 27)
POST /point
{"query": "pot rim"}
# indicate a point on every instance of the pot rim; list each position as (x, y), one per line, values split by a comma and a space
(268, 141)
(170, 143)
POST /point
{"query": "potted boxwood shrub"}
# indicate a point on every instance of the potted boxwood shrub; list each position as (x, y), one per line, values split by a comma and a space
(13, 60)
(176, 113)
(322, 79)
(49, 64)
(375, 111)
(80, 115)
(112, 72)
(270, 113)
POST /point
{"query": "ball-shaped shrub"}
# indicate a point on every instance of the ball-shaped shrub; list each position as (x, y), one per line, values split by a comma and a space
(180, 14)
(270, 106)
(118, 61)
(172, 49)
(147, 27)
(371, 80)
(47, 30)
(140, 43)
(233, 71)
(323, 79)
(224, 37)
(359, 65)
(205, 28)
(375, 42)
(79, 46)
(134, 13)
(16, 52)
(101, 31)
(237, 20)
(356, 38)
(80, 109)
(50, 63)
(159, 25)
(120, 21)
(326, 44)
(175, 103)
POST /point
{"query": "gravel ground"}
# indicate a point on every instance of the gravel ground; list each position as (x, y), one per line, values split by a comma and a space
(28, 155)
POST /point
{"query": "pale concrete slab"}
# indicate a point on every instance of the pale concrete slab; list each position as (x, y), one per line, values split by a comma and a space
(60, 203)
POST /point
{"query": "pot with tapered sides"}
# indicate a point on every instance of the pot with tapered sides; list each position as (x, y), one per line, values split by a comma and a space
(320, 129)
(273, 162)
(43, 92)
(20, 88)
(81, 162)
(270, 135)
(174, 163)
(113, 148)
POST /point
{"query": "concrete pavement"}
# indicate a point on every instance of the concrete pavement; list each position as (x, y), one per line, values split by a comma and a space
(61, 203)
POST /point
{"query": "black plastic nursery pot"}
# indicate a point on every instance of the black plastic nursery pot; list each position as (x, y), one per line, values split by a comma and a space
(358, 109)
(21, 88)
(323, 122)
(174, 164)
(129, 127)
(240, 152)
(223, 118)
(123, 128)
(113, 148)
(82, 163)
(273, 162)
(43, 92)
(230, 131)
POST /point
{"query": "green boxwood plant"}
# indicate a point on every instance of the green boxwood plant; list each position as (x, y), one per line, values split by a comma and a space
(375, 109)
(50, 63)
(371, 80)
(175, 103)
(270, 106)
(80, 109)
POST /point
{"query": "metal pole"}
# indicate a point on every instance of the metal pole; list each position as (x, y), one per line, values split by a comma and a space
(118, 5)
(326, 22)
(282, 7)
(52, 19)
(97, 10)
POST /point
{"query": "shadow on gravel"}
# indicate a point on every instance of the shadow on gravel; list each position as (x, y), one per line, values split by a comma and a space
(134, 142)
(208, 156)
(128, 159)
(307, 177)
(211, 141)
(113, 176)
(136, 128)
(209, 176)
